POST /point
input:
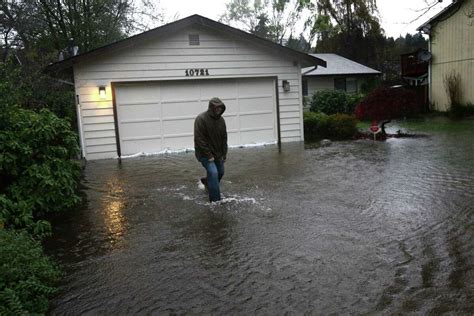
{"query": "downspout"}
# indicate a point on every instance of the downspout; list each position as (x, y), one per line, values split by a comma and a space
(430, 82)
(300, 84)
(79, 126)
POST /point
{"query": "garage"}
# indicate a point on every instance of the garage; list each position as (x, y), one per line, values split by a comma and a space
(157, 116)
(142, 94)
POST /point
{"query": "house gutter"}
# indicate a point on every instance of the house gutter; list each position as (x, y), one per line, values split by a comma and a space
(314, 68)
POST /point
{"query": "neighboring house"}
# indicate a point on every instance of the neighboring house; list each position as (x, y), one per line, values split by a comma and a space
(143, 93)
(451, 45)
(340, 74)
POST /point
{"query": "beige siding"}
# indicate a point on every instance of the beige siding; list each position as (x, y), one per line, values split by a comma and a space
(167, 59)
(316, 84)
(452, 47)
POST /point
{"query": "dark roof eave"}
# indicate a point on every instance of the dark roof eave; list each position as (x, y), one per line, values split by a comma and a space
(343, 74)
(305, 59)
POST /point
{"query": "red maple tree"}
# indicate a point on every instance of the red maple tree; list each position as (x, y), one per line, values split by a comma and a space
(385, 103)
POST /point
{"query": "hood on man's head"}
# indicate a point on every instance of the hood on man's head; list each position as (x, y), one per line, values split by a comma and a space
(216, 102)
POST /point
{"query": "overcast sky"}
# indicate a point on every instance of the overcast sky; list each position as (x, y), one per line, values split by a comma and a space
(395, 14)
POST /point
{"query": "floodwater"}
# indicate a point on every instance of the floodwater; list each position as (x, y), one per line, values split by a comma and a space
(354, 227)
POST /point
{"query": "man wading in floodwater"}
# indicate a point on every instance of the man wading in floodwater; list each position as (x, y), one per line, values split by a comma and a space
(210, 144)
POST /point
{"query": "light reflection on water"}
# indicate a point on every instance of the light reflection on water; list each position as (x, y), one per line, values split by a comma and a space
(356, 227)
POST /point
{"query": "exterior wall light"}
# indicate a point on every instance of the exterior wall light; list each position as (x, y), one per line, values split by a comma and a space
(286, 85)
(102, 92)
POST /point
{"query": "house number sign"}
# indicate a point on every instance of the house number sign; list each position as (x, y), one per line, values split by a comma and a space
(196, 72)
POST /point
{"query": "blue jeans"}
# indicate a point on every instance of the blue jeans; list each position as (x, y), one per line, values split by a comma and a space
(215, 172)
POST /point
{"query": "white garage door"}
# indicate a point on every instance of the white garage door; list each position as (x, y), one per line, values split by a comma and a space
(153, 117)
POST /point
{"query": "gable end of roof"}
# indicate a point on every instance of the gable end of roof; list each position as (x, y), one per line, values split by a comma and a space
(167, 29)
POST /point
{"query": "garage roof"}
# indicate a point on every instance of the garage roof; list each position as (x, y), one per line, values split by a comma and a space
(305, 59)
(338, 65)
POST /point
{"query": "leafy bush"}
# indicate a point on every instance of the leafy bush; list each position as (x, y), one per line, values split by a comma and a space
(329, 102)
(29, 88)
(27, 276)
(342, 126)
(386, 103)
(316, 125)
(337, 127)
(334, 101)
(352, 101)
(37, 173)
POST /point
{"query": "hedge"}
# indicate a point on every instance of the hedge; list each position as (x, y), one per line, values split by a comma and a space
(37, 171)
(27, 275)
(334, 101)
(335, 127)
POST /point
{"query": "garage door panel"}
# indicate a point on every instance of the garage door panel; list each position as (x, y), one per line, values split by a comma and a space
(181, 108)
(255, 121)
(139, 129)
(135, 146)
(138, 111)
(232, 122)
(226, 89)
(178, 142)
(133, 93)
(261, 103)
(179, 91)
(254, 87)
(231, 106)
(257, 136)
(233, 138)
(176, 127)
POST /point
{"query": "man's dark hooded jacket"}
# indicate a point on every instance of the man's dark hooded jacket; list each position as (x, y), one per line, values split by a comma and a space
(210, 133)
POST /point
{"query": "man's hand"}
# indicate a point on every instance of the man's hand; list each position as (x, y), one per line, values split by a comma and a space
(211, 159)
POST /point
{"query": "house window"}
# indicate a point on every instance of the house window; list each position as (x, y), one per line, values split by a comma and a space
(351, 85)
(348, 85)
(340, 84)
(305, 86)
(194, 39)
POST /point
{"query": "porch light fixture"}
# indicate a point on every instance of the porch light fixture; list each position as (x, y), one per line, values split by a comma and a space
(102, 93)
(286, 85)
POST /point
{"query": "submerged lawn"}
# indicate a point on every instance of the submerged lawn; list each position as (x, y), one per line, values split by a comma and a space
(437, 124)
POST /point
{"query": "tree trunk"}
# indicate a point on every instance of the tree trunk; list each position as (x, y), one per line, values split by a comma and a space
(382, 127)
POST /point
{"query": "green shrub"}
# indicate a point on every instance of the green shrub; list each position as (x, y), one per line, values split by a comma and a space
(334, 101)
(329, 102)
(37, 173)
(29, 88)
(460, 111)
(337, 127)
(315, 125)
(352, 101)
(27, 276)
(342, 126)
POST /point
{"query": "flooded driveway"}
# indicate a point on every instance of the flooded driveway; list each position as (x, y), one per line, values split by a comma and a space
(355, 227)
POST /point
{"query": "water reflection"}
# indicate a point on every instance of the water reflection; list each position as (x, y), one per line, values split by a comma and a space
(114, 220)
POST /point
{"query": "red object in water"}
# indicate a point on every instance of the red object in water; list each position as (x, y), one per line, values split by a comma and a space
(374, 128)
